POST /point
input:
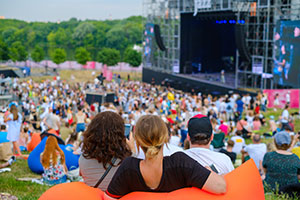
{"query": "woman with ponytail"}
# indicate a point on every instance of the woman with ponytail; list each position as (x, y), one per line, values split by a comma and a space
(157, 173)
(53, 161)
(14, 122)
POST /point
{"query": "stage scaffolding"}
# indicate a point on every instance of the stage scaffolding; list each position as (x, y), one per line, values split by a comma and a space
(259, 17)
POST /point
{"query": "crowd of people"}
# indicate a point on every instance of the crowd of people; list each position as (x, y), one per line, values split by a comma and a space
(185, 139)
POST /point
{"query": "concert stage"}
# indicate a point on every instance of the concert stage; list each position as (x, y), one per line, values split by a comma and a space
(204, 37)
(188, 83)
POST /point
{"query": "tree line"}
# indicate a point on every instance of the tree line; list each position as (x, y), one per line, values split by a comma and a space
(108, 42)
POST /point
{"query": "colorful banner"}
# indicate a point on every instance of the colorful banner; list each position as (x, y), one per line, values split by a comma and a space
(90, 65)
(282, 97)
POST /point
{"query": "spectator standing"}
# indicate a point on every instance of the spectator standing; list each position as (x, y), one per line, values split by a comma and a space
(240, 107)
(285, 117)
(14, 122)
(288, 98)
(80, 120)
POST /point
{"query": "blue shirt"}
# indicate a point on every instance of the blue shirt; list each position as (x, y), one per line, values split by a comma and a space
(240, 105)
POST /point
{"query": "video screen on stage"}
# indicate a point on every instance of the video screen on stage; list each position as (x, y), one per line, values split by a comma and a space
(148, 43)
(208, 42)
(287, 53)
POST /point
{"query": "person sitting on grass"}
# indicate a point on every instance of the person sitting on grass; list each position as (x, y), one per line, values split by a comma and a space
(295, 147)
(219, 136)
(66, 131)
(8, 163)
(256, 151)
(239, 142)
(24, 139)
(228, 151)
(53, 162)
(256, 124)
(104, 145)
(282, 168)
(200, 137)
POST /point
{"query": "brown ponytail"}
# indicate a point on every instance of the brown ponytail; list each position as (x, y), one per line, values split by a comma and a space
(14, 111)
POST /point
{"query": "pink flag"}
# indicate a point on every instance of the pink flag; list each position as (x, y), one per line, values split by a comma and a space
(104, 70)
(109, 75)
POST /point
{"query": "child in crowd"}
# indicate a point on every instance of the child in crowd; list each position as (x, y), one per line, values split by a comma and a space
(24, 138)
(53, 161)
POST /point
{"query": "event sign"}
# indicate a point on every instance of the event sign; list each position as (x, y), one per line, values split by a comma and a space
(282, 97)
(201, 4)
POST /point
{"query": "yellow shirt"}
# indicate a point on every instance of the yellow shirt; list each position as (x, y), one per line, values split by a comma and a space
(296, 151)
(171, 96)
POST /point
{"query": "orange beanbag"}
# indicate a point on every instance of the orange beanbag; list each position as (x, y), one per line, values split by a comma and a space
(242, 183)
(72, 191)
(35, 140)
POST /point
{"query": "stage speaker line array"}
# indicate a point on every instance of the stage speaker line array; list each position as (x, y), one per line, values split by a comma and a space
(158, 38)
(241, 42)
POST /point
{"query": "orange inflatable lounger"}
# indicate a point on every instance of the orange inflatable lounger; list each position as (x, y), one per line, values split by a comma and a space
(242, 183)
(35, 140)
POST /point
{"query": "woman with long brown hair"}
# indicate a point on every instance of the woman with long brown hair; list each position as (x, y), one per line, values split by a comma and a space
(104, 146)
(14, 122)
(53, 161)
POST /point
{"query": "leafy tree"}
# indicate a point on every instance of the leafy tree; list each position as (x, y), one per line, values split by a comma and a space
(4, 54)
(38, 54)
(8, 35)
(109, 56)
(81, 31)
(69, 35)
(59, 56)
(117, 38)
(132, 57)
(17, 52)
(30, 39)
(82, 55)
(57, 39)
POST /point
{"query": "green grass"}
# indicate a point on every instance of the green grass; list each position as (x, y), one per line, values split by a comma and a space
(81, 75)
(30, 191)
(21, 189)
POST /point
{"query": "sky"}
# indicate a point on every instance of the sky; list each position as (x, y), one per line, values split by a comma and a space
(61, 10)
